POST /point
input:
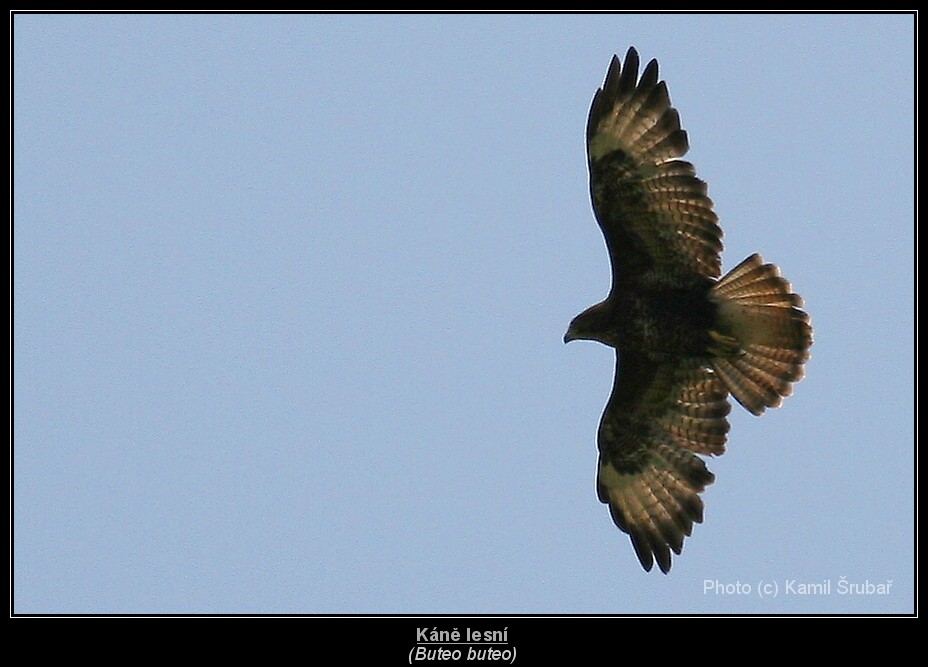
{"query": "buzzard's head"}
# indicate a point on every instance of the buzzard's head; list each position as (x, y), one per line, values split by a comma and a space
(592, 324)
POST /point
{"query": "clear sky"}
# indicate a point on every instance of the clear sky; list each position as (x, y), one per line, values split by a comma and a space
(290, 291)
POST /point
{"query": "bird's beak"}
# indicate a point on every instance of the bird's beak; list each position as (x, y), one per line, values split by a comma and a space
(569, 336)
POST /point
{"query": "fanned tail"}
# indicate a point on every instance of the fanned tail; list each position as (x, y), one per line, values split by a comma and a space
(763, 336)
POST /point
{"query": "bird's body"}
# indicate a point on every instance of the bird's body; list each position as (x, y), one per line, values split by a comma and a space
(657, 322)
(685, 336)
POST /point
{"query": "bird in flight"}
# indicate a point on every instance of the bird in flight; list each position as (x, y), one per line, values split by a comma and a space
(685, 337)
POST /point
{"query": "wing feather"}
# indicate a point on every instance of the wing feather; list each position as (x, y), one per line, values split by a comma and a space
(653, 210)
(657, 419)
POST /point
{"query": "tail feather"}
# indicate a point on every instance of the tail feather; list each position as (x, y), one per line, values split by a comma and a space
(757, 308)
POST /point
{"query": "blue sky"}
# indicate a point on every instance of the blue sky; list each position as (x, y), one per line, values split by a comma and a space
(290, 291)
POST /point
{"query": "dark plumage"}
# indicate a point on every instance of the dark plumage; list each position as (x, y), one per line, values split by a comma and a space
(684, 337)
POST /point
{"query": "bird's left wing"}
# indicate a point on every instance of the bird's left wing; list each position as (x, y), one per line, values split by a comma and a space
(653, 210)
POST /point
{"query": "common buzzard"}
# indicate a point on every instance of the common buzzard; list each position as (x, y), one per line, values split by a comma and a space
(684, 337)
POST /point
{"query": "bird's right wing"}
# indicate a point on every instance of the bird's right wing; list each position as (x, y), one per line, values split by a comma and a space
(649, 475)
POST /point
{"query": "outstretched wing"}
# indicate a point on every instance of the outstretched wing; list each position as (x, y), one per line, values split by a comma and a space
(654, 212)
(657, 418)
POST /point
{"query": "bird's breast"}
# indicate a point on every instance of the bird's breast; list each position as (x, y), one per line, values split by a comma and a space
(664, 322)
